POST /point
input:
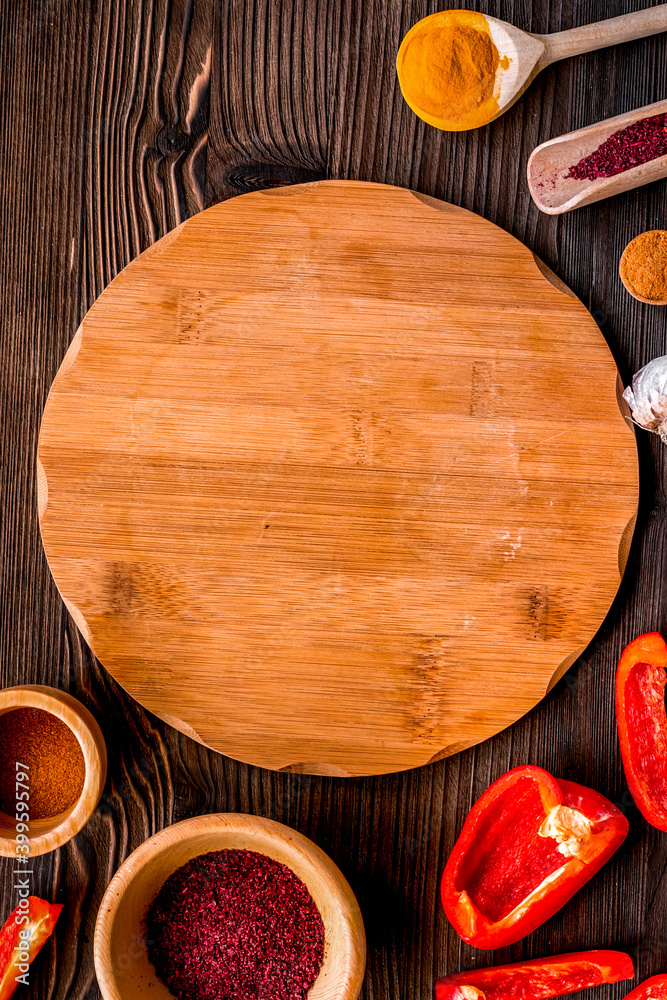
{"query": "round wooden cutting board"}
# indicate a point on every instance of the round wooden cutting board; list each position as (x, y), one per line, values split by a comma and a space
(334, 478)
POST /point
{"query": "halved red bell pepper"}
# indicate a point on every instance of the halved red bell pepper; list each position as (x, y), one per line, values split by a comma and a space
(642, 724)
(21, 938)
(528, 844)
(654, 988)
(538, 979)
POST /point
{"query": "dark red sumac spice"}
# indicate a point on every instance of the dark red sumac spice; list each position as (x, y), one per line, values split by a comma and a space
(640, 142)
(235, 925)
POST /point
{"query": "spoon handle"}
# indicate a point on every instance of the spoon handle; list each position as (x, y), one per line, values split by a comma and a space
(599, 35)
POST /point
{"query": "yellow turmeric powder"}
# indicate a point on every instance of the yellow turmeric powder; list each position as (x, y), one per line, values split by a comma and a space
(448, 67)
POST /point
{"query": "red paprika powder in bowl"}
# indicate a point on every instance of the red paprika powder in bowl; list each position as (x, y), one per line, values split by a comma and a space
(53, 766)
(224, 904)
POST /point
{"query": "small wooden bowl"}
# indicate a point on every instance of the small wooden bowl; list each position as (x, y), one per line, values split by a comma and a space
(622, 270)
(52, 832)
(123, 969)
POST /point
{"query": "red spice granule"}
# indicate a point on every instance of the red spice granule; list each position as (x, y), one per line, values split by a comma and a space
(638, 143)
(235, 925)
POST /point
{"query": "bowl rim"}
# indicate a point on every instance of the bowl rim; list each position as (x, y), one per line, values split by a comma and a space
(348, 913)
(85, 727)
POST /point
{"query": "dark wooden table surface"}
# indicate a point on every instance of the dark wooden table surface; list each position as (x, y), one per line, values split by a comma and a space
(119, 120)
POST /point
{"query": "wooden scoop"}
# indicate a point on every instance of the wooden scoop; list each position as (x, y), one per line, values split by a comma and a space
(523, 55)
(554, 193)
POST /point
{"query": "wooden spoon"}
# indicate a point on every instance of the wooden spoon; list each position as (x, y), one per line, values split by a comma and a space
(554, 193)
(523, 54)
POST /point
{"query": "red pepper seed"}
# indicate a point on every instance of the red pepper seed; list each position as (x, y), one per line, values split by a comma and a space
(235, 925)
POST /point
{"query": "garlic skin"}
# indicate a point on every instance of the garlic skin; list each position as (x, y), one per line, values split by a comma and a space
(648, 397)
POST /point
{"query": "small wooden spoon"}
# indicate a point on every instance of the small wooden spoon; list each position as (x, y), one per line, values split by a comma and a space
(528, 54)
(554, 193)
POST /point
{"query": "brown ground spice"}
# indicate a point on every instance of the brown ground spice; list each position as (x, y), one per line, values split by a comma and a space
(644, 265)
(54, 757)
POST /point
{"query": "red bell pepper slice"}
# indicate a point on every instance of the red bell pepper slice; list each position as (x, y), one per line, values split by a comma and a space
(654, 988)
(538, 979)
(528, 844)
(642, 724)
(21, 939)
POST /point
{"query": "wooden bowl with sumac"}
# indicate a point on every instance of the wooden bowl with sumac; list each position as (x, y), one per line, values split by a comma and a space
(229, 905)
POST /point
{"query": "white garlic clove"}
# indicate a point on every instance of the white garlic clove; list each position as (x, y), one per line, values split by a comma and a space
(648, 397)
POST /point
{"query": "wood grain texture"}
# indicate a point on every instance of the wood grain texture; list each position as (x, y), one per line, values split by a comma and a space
(64, 187)
(121, 962)
(88, 90)
(297, 488)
